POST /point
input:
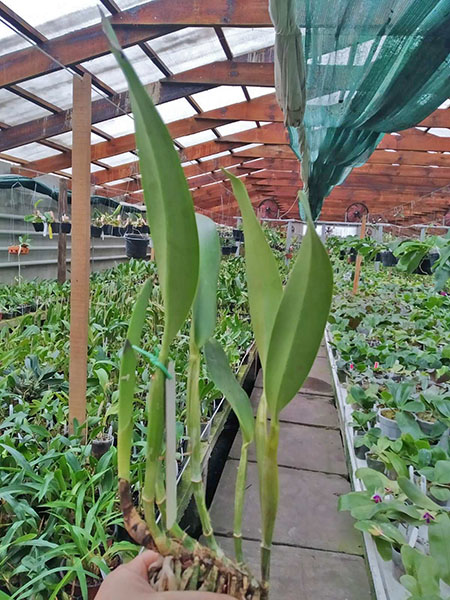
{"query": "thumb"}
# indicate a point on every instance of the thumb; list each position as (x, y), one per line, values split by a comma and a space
(140, 565)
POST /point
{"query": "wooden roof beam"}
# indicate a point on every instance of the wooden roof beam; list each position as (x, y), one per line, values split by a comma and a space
(115, 106)
(148, 20)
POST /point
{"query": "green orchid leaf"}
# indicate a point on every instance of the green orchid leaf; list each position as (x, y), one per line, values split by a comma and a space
(204, 309)
(418, 497)
(300, 321)
(127, 380)
(170, 209)
(263, 278)
(220, 372)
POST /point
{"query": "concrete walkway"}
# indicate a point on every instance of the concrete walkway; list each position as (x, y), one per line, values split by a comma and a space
(317, 553)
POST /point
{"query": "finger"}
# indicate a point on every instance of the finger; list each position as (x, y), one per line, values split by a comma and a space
(140, 564)
(190, 596)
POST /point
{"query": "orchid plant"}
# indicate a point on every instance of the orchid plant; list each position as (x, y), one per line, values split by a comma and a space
(288, 324)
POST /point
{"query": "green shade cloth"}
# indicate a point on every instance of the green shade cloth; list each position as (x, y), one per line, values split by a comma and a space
(348, 71)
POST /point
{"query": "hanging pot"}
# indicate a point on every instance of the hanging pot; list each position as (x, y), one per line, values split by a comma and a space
(65, 227)
(38, 226)
(136, 245)
(96, 232)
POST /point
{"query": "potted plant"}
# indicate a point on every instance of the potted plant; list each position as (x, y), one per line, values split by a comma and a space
(396, 413)
(187, 255)
(23, 247)
(416, 256)
(97, 223)
(438, 481)
(65, 225)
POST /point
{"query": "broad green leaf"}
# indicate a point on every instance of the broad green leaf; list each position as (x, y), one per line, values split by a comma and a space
(354, 499)
(439, 538)
(424, 569)
(170, 209)
(384, 548)
(418, 497)
(220, 372)
(204, 309)
(408, 424)
(127, 380)
(263, 278)
(103, 378)
(300, 321)
(442, 471)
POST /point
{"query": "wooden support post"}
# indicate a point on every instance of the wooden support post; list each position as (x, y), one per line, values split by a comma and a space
(80, 268)
(359, 258)
(62, 238)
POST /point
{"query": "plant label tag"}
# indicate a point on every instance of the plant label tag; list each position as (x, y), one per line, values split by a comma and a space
(171, 447)
(411, 474)
(413, 537)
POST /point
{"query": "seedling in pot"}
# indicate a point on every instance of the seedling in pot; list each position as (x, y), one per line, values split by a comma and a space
(396, 415)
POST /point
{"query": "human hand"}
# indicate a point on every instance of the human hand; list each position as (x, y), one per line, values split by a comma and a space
(130, 582)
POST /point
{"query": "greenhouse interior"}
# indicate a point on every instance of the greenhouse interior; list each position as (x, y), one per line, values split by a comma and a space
(225, 300)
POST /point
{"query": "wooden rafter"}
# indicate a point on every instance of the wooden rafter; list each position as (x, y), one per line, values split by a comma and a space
(90, 42)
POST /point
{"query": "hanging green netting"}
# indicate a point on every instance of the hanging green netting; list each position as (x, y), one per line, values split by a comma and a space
(349, 71)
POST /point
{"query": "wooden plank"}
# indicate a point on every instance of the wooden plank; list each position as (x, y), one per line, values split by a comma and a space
(404, 157)
(125, 143)
(228, 73)
(264, 108)
(62, 237)
(275, 133)
(81, 217)
(414, 139)
(102, 110)
(197, 13)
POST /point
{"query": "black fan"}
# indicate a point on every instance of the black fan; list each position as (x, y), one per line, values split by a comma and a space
(268, 209)
(355, 212)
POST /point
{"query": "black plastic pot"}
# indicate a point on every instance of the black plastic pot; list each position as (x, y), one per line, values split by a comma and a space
(96, 232)
(352, 255)
(56, 227)
(378, 257)
(227, 250)
(238, 235)
(388, 259)
(65, 227)
(143, 229)
(122, 231)
(116, 231)
(38, 226)
(136, 245)
(107, 229)
(99, 447)
(425, 266)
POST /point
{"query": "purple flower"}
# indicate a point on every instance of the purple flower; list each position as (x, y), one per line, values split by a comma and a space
(428, 518)
(377, 498)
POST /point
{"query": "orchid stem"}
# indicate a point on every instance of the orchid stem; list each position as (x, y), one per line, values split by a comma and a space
(193, 426)
(241, 480)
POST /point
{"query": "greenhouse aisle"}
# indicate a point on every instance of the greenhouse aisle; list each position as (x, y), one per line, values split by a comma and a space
(317, 553)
